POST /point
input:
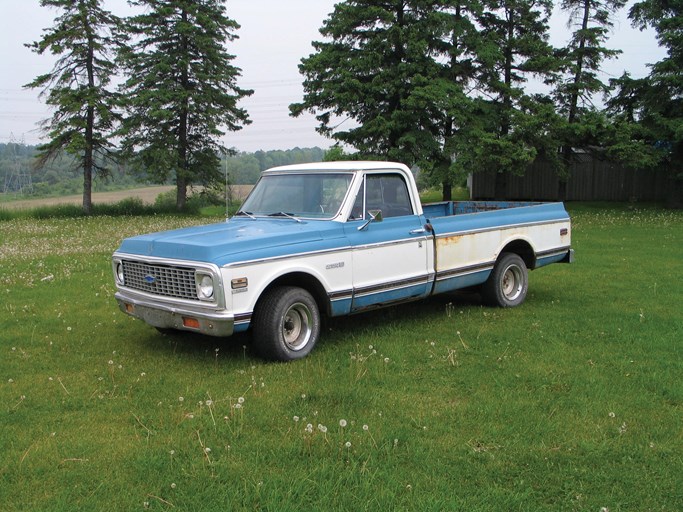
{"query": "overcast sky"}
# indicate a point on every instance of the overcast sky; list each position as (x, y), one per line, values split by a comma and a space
(275, 35)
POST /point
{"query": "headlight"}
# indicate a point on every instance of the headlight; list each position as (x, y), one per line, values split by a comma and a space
(119, 273)
(204, 286)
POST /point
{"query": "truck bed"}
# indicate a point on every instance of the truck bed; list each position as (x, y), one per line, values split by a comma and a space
(448, 208)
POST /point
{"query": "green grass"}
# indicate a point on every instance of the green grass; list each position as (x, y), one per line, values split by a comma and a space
(572, 401)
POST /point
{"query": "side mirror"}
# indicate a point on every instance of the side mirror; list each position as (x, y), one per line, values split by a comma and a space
(375, 216)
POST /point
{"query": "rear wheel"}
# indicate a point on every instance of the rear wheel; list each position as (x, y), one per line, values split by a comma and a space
(508, 283)
(286, 324)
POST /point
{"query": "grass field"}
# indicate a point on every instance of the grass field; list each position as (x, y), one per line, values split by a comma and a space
(146, 194)
(573, 401)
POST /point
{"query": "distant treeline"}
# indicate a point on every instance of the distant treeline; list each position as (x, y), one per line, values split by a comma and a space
(62, 176)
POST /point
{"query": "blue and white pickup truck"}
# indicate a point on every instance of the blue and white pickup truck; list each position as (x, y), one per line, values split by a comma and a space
(332, 239)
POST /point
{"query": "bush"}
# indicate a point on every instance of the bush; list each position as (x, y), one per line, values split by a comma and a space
(166, 201)
(128, 206)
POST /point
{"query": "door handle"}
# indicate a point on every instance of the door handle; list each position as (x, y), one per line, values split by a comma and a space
(418, 231)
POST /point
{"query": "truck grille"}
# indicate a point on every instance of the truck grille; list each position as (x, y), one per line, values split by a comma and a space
(178, 282)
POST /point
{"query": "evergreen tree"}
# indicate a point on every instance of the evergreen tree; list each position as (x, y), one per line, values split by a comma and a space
(648, 112)
(443, 110)
(516, 124)
(181, 92)
(592, 21)
(365, 72)
(398, 70)
(585, 53)
(76, 88)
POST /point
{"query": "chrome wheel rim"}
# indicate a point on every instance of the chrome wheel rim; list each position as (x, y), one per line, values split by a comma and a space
(511, 283)
(297, 326)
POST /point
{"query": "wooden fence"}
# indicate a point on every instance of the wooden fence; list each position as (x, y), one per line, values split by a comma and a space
(590, 180)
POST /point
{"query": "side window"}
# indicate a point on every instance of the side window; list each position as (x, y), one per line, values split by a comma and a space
(386, 192)
(389, 193)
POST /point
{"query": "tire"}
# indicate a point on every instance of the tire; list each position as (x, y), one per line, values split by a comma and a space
(286, 324)
(508, 283)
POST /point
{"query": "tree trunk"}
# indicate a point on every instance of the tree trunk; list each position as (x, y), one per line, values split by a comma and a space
(446, 191)
(181, 192)
(88, 157)
(567, 152)
(182, 173)
(500, 188)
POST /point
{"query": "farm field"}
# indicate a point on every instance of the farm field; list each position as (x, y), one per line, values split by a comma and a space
(571, 402)
(146, 194)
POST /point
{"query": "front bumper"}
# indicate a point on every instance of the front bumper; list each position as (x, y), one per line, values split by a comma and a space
(171, 316)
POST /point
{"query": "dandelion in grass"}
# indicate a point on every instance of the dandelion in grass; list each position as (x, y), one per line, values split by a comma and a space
(366, 429)
(342, 423)
(296, 419)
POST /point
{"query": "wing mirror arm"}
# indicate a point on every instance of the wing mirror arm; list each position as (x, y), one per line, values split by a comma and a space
(375, 216)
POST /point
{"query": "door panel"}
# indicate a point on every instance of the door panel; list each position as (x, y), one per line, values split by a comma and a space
(391, 257)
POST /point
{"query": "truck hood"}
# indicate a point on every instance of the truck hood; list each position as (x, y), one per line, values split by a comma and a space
(235, 240)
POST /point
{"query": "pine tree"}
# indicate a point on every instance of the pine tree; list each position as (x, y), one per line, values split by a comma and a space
(516, 124)
(181, 92)
(398, 71)
(649, 111)
(583, 56)
(441, 102)
(85, 115)
(364, 73)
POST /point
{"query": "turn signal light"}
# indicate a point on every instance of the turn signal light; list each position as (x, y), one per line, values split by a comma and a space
(192, 323)
(240, 282)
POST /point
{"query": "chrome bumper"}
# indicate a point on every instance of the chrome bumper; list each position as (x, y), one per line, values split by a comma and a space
(170, 316)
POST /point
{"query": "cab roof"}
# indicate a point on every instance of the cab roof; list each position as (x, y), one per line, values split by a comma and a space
(350, 165)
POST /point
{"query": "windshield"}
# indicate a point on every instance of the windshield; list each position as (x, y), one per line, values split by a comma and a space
(317, 196)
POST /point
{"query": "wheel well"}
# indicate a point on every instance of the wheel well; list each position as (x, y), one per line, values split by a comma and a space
(308, 283)
(523, 249)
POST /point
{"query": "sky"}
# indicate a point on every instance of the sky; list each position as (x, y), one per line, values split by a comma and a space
(274, 36)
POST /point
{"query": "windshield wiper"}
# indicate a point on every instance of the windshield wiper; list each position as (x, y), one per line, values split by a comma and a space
(285, 214)
(248, 214)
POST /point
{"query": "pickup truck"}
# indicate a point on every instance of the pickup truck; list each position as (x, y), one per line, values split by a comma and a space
(333, 239)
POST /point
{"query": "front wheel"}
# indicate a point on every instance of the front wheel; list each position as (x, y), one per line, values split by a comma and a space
(507, 285)
(286, 324)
